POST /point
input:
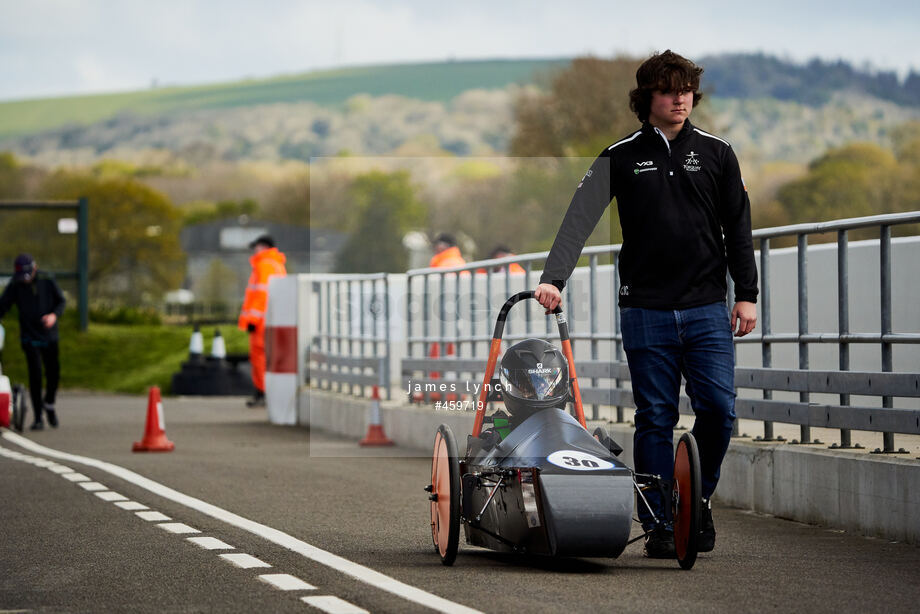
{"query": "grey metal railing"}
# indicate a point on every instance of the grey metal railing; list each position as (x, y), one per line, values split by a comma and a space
(350, 346)
(429, 288)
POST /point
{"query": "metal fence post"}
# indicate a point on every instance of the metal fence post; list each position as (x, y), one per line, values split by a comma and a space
(592, 306)
(766, 351)
(843, 321)
(617, 328)
(802, 259)
(885, 283)
(386, 336)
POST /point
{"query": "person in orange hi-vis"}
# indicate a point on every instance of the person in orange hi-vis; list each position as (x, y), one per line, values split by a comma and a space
(266, 262)
(446, 252)
(501, 251)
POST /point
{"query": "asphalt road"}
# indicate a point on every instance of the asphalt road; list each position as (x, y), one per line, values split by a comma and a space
(64, 549)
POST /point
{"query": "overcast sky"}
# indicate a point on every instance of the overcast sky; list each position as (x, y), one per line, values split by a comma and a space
(60, 47)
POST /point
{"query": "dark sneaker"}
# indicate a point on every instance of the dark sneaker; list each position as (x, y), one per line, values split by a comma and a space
(707, 529)
(38, 425)
(659, 544)
(257, 400)
(52, 415)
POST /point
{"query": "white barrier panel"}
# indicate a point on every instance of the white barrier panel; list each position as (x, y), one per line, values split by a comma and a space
(281, 350)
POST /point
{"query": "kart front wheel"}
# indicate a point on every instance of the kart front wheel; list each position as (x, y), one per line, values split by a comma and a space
(445, 495)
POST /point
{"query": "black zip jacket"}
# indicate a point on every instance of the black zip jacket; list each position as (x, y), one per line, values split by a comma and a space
(34, 300)
(675, 200)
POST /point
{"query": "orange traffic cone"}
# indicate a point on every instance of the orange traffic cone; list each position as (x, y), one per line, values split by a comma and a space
(375, 435)
(155, 431)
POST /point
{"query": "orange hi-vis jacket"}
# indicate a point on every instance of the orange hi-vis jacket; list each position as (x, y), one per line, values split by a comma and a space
(265, 264)
(448, 258)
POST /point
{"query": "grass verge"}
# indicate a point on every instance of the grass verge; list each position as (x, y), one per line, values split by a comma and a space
(117, 357)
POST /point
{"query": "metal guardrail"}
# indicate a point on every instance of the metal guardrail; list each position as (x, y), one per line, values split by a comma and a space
(804, 413)
(352, 349)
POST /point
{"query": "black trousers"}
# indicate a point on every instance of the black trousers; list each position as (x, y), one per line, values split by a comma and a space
(35, 357)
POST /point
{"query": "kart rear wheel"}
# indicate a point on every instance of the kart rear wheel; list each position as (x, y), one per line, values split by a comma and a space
(686, 500)
(19, 407)
(445, 495)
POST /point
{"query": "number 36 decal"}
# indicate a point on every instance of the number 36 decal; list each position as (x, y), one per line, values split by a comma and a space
(579, 461)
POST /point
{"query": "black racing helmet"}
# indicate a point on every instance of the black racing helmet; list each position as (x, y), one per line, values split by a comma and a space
(534, 376)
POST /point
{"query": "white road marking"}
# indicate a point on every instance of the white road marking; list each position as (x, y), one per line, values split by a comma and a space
(60, 469)
(333, 605)
(286, 582)
(75, 477)
(41, 462)
(152, 516)
(323, 557)
(178, 528)
(109, 495)
(210, 543)
(131, 505)
(91, 486)
(246, 561)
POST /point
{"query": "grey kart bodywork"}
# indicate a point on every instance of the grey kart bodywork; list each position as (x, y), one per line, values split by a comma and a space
(548, 488)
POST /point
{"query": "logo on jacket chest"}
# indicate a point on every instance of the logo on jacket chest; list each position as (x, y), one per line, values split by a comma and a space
(692, 162)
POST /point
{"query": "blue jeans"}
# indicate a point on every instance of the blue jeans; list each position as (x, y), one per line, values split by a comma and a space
(662, 345)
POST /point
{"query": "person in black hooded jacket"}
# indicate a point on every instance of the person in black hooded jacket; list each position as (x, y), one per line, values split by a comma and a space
(40, 304)
(686, 223)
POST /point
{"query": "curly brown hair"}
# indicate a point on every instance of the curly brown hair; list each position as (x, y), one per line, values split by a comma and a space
(665, 72)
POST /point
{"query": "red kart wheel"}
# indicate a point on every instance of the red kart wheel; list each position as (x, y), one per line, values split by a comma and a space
(687, 500)
(445, 495)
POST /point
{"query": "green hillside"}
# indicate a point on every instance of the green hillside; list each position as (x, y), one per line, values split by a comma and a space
(433, 81)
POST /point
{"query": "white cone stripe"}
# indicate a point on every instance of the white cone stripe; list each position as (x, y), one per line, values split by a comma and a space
(210, 543)
(109, 495)
(286, 582)
(152, 516)
(246, 561)
(341, 564)
(333, 605)
(178, 528)
(130, 505)
(160, 417)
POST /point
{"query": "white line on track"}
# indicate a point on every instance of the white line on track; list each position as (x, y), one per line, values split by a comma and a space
(60, 469)
(178, 528)
(210, 543)
(333, 605)
(131, 505)
(246, 561)
(91, 486)
(109, 495)
(75, 477)
(324, 557)
(286, 582)
(152, 516)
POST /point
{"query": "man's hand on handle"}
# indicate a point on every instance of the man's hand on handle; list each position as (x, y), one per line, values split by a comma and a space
(744, 318)
(549, 296)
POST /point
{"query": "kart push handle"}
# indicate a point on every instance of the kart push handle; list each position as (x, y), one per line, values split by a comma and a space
(495, 349)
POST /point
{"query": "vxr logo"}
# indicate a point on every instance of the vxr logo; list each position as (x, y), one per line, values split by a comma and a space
(646, 163)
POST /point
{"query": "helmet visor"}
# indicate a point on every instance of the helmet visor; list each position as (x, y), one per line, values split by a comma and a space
(537, 384)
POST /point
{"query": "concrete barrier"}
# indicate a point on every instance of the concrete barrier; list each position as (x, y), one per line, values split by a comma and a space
(871, 495)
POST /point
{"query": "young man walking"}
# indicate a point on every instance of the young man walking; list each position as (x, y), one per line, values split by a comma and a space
(686, 220)
(40, 305)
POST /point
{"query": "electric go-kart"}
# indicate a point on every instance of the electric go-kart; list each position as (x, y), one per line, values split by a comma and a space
(534, 480)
